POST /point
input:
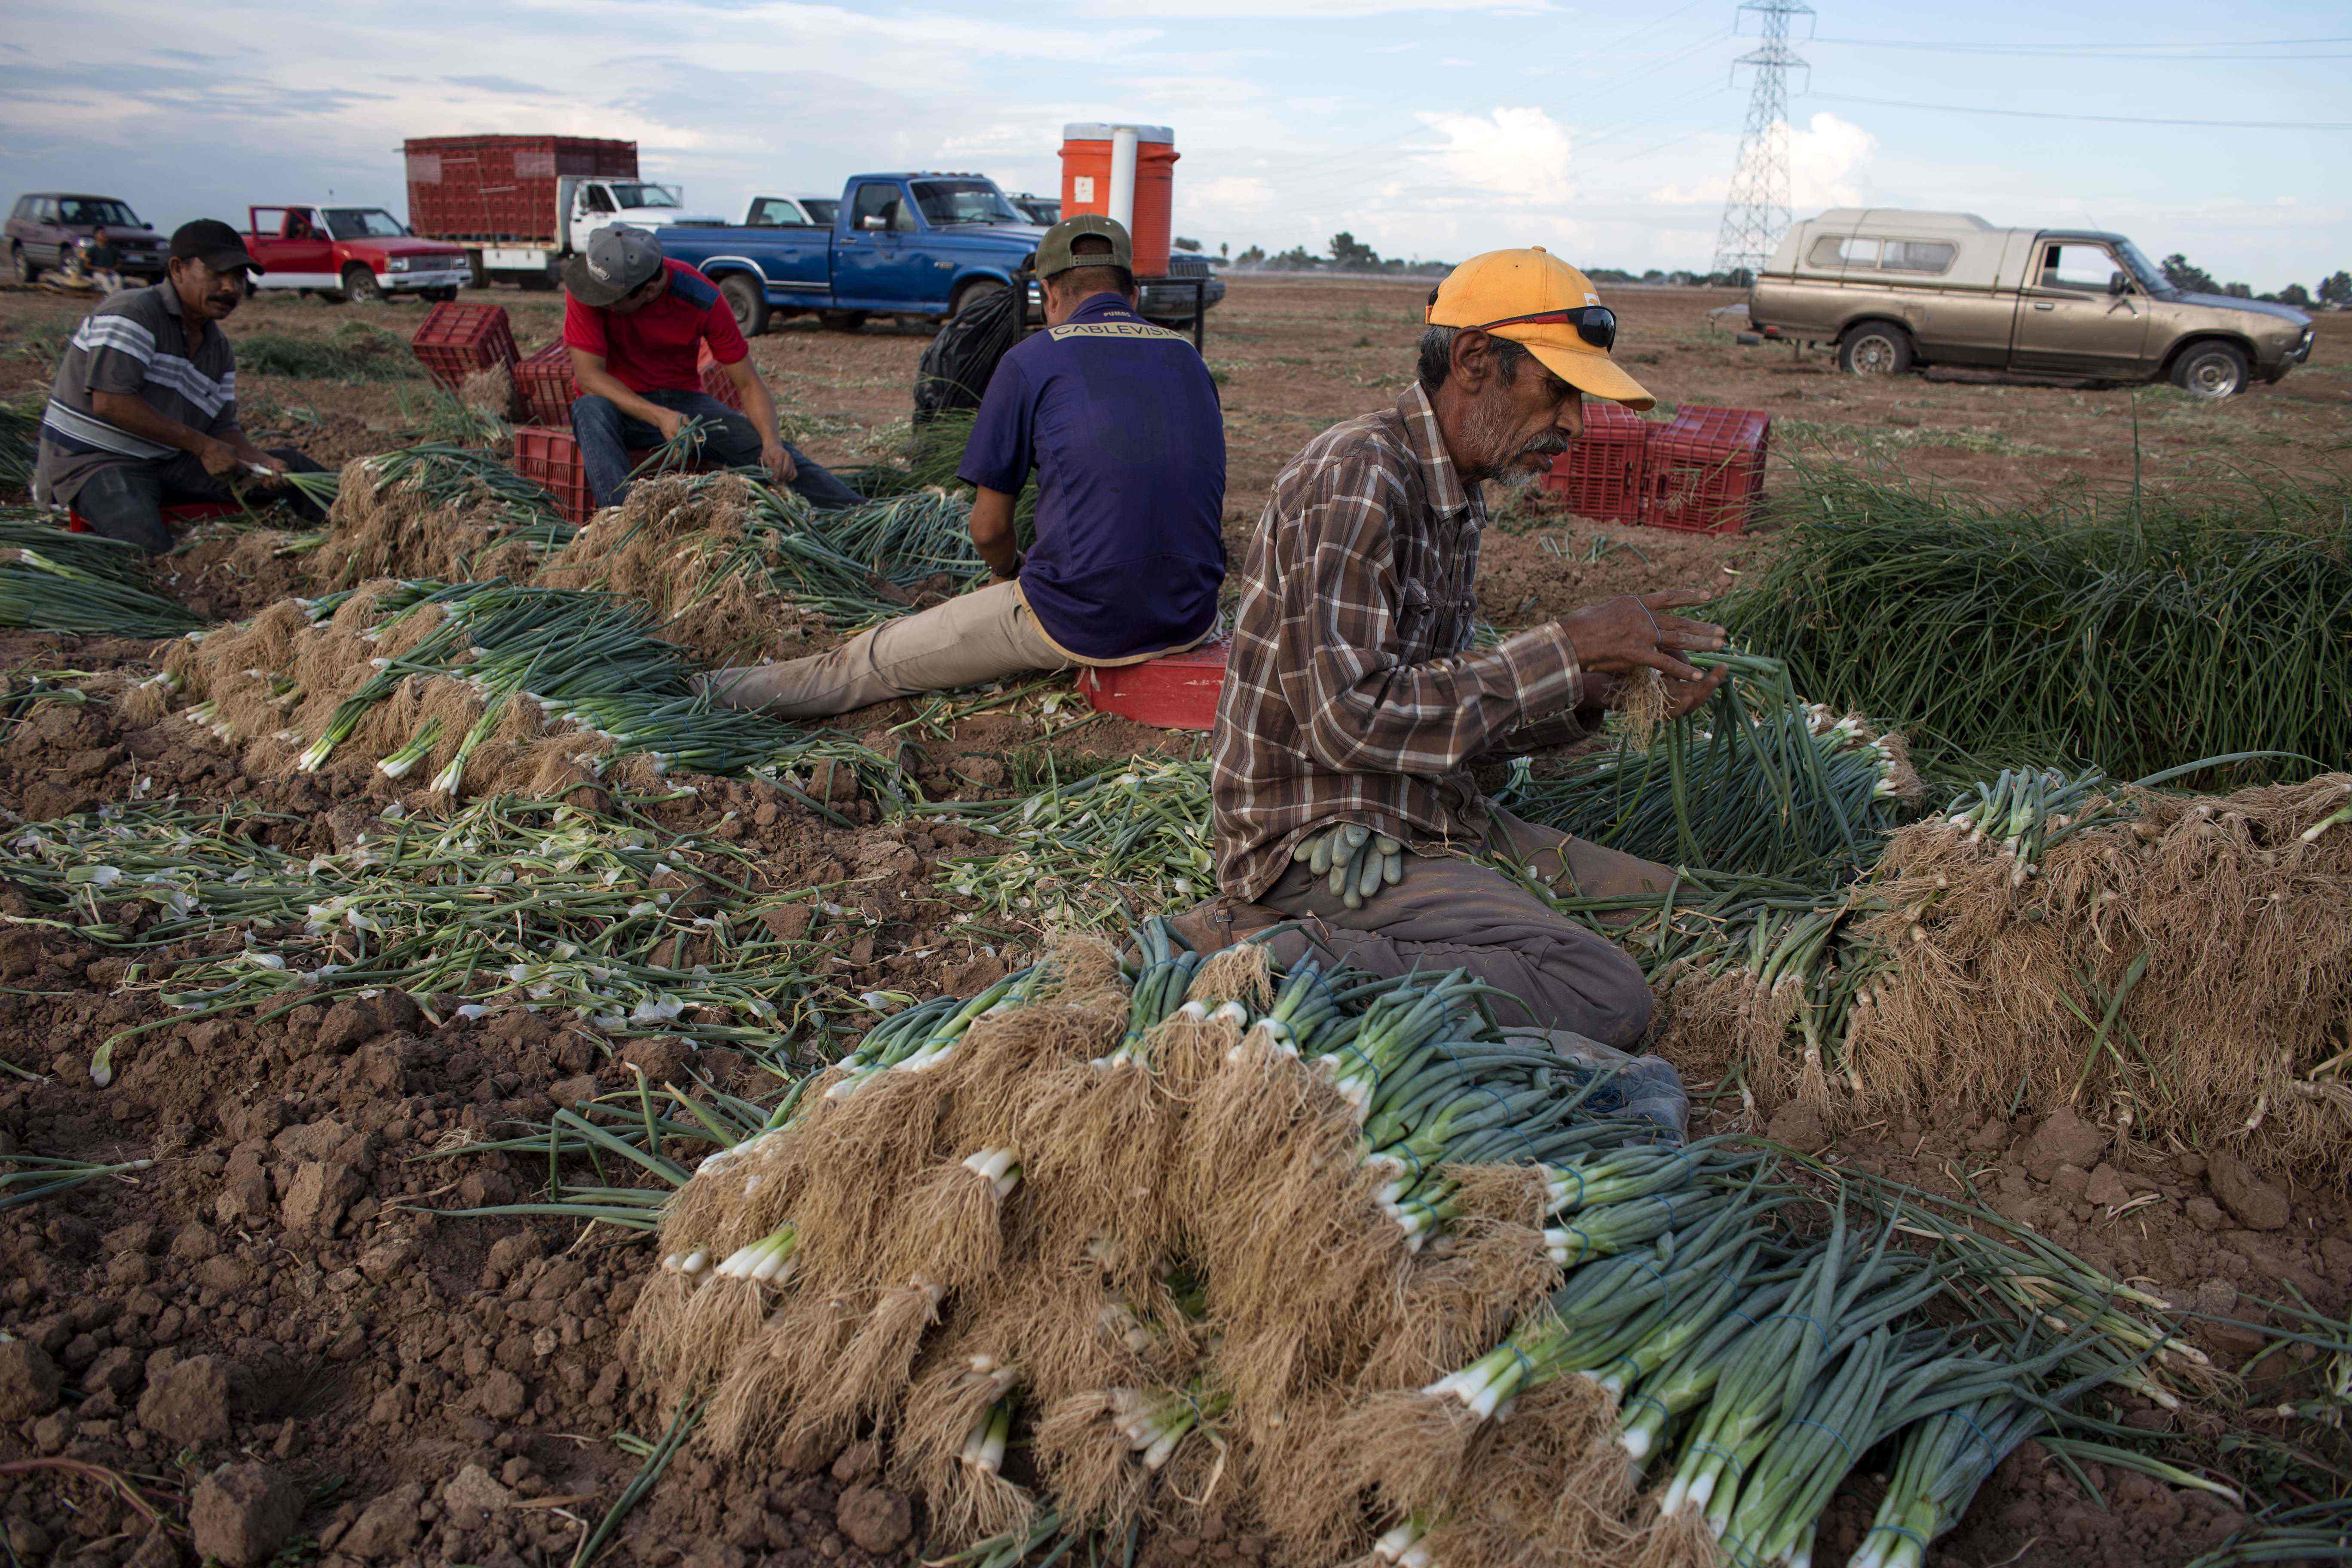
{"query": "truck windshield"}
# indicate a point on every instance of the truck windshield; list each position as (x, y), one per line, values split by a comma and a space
(363, 223)
(820, 208)
(629, 193)
(2151, 276)
(946, 202)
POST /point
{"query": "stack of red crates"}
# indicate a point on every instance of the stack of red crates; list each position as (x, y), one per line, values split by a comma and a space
(1703, 470)
(544, 380)
(1599, 475)
(553, 457)
(455, 340)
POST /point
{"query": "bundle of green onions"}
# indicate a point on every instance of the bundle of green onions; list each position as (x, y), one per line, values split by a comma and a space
(541, 905)
(1748, 1342)
(865, 563)
(586, 658)
(2135, 631)
(53, 580)
(1758, 780)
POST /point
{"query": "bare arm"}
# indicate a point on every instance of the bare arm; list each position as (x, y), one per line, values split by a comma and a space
(992, 532)
(595, 381)
(759, 408)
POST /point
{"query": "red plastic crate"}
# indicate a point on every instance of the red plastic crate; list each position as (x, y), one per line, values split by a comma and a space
(1599, 475)
(716, 382)
(1176, 691)
(455, 339)
(544, 379)
(185, 511)
(1703, 470)
(553, 457)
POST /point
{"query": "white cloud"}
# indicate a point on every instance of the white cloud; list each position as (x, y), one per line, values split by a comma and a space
(1317, 10)
(1828, 165)
(1828, 162)
(1520, 155)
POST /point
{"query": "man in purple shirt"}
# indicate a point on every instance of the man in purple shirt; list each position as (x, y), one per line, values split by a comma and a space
(1120, 420)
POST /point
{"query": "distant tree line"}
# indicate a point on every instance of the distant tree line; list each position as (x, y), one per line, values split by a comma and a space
(2184, 274)
(1351, 256)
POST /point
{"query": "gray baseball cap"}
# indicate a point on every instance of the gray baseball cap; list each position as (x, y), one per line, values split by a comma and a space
(619, 261)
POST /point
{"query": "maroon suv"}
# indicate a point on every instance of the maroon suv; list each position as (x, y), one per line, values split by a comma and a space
(43, 225)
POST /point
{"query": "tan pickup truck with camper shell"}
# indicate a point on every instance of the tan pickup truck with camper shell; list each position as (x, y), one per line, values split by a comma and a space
(1895, 289)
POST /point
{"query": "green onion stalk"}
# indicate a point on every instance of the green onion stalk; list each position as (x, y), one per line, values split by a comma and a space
(1083, 852)
(52, 581)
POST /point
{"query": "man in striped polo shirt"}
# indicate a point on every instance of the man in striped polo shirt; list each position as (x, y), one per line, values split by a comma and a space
(143, 412)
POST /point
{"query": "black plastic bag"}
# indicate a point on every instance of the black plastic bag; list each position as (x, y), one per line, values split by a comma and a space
(962, 358)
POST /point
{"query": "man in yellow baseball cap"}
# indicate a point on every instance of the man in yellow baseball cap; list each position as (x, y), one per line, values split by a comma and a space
(1356, 698)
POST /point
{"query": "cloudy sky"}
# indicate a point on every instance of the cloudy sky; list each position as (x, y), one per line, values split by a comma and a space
(1428, 128)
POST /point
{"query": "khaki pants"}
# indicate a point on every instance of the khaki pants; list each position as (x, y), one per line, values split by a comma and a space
(985, 635)
(1451, 913)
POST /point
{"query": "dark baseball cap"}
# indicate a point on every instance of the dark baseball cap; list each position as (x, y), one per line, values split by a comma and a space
(619, 261)
(1055, 255)
(215, 244)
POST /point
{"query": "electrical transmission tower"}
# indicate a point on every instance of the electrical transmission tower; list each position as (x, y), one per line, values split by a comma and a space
(1757, 213)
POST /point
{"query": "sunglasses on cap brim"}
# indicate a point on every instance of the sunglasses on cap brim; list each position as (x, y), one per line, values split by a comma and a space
(1596, 324)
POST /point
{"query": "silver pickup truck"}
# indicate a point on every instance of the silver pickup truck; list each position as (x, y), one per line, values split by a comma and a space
(1894, 289)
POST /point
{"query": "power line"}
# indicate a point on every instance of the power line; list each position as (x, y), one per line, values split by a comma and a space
(2144, 51)
(2095, 119)
(2032, 54)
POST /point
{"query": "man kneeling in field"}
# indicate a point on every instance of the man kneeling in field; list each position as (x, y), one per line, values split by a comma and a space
(1354, 702)
(1120, 419)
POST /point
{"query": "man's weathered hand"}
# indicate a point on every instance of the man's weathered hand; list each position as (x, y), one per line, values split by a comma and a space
(1689, 694)
(668, 421)
(220, 459)
(1622, 635)
(777, 461)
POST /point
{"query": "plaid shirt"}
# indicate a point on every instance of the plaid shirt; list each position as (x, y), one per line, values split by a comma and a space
(1352, 692)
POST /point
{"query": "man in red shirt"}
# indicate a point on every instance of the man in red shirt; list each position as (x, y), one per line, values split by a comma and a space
(635, 324)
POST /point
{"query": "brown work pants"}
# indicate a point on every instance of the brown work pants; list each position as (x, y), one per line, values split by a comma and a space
(1451, 913)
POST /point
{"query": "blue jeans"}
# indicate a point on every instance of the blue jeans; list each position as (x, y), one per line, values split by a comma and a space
(605, 435)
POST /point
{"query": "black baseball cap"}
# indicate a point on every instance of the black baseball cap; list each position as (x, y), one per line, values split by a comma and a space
(215, 244)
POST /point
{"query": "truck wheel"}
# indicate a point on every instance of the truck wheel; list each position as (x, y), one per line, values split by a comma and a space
(841, 321)
(1874, 349)
(2210, 370)
(22, 265)
(361, 288)
(971, 293)
(748, 301)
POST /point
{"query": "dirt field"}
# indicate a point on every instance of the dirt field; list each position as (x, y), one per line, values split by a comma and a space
(274, 1291)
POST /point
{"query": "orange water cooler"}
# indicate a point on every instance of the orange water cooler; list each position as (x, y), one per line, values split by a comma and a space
(1127, 172)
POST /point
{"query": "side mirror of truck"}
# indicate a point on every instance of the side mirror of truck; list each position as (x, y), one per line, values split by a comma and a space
(873, 223)
(2118, 283)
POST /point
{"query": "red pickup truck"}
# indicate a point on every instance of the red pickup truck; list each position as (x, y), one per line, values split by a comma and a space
(351, 253)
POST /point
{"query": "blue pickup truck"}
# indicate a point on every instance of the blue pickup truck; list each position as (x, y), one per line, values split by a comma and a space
(905, 245)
